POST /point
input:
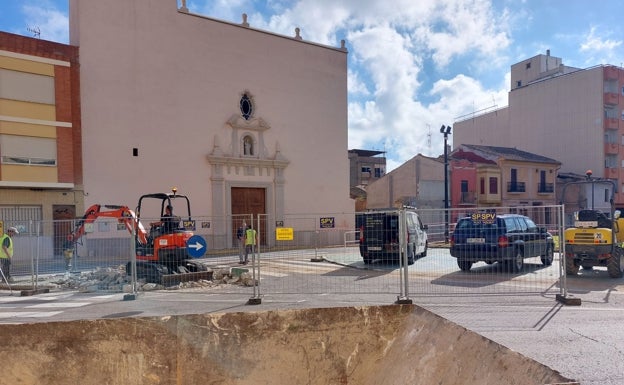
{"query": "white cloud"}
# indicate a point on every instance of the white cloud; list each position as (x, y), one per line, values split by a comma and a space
(601, 49)
(598, 43)
(356, 85)
(52, 23)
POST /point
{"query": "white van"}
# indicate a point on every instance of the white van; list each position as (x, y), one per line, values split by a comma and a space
(379, 236)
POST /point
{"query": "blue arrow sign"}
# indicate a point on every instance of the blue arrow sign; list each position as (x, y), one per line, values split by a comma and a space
(196, 246)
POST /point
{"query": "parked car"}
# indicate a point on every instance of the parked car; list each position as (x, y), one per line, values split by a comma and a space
(505, 238)
(379, 236)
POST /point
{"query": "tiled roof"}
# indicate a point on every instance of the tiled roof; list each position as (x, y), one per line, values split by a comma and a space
(509, 153)
(470, 156)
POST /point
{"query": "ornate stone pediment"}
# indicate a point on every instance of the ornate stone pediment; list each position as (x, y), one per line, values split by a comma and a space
(246, 153)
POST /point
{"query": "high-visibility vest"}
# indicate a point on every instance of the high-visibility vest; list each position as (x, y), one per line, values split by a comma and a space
(250, 237)
(9, 249)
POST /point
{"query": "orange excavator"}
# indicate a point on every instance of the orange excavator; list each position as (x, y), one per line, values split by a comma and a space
(161, 253)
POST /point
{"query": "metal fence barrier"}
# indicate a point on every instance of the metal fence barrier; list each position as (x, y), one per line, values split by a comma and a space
(307, 254)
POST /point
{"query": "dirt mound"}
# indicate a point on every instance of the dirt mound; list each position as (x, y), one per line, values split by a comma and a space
(400, 344)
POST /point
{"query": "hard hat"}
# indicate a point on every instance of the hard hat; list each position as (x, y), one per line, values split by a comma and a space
(13, 229)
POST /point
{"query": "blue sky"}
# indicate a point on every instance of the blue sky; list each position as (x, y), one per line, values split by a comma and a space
(413, 64)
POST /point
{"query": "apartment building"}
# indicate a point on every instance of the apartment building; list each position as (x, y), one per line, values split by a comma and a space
(40, 135)
(365, 167)
(573, 115)
(490, 176)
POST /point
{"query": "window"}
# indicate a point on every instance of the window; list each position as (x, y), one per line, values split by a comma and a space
(493, 185)
(379, 172)
(366, 169)
(25, 150)
(246, 106)
(531, 226)
(512, 225)
(528, 65)
(482, 186)
(547, 215)
(21, 217)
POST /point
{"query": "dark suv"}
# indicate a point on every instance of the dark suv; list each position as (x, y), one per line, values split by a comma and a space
(505, 238)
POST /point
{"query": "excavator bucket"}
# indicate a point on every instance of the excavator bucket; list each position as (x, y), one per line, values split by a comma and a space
(175, 279)
(158, 273)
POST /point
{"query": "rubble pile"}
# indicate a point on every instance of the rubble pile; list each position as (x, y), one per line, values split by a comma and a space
(115, 279)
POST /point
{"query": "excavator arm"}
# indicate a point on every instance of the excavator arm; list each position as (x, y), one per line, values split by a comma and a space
(123, 214)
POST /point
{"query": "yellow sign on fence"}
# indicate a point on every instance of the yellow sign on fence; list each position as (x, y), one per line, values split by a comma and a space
(284, 234)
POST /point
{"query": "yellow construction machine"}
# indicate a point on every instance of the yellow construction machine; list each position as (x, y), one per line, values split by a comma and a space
(596, 236)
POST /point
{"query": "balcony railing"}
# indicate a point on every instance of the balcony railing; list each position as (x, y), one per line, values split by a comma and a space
(611, 148)
(611, 172)
(611, 123)
(611, 98)
(545, 188)
(516, 187)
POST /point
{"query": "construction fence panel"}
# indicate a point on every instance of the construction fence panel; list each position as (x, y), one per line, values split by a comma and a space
(43, 252)
(298, 254)
(439, 273)
(319, 254)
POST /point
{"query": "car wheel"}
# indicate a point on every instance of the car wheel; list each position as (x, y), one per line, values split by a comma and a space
(367, 261)
(464, 265)
(547, 259)
(517, 264)
(410, 256)
(424, 253)
(572, 268)
(615, 264)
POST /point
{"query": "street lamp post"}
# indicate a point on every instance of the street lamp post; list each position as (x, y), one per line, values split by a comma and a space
(446, 131)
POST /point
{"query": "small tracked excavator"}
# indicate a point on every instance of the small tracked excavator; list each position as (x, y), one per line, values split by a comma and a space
(161, 253)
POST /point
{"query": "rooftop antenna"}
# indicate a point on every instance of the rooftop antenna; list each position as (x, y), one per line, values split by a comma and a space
(35, 31)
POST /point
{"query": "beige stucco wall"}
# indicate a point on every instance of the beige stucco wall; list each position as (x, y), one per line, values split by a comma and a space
(420, 178)
(553, 118)
(167, 83)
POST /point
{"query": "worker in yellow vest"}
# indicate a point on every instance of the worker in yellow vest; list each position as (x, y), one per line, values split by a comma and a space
(251, 239)
(6, 253)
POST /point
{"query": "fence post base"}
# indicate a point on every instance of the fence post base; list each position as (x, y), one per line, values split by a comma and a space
(254, 301)
(567, 300)
(403, 301)
(130, 297)
(29, 292)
